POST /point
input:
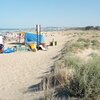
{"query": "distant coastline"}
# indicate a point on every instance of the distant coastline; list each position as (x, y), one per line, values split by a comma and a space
(46, 29)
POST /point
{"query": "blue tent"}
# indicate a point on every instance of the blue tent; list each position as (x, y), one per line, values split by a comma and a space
(34, 38)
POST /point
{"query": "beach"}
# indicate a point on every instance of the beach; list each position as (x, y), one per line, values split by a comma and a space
(20, 70)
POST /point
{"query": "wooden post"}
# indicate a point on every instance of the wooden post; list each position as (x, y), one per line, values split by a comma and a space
(38, 31)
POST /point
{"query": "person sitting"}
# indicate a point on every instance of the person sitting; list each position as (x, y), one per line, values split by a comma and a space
(1, 48)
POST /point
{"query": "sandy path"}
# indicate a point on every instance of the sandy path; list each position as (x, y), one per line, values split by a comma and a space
(20, 70)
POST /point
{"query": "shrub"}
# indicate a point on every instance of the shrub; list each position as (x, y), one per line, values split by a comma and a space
(95, 44)
(86, 81)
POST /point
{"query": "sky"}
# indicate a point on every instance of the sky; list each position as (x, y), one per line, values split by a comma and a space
(58, 13)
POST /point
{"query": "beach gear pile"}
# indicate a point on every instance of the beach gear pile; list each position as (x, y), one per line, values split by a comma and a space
(9, 50)
(32, 42)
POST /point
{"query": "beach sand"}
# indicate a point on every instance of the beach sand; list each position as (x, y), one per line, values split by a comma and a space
(20, 70)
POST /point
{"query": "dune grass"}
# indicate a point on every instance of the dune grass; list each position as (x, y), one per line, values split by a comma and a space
(85, 83)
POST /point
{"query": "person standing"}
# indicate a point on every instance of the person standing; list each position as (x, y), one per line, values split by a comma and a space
(1, 44)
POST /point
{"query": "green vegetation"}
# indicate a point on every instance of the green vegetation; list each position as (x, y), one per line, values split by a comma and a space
(85, 83)
(92, 28)
(81, 44)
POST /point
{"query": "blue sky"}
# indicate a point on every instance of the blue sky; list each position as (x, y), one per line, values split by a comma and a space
(70, 13)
